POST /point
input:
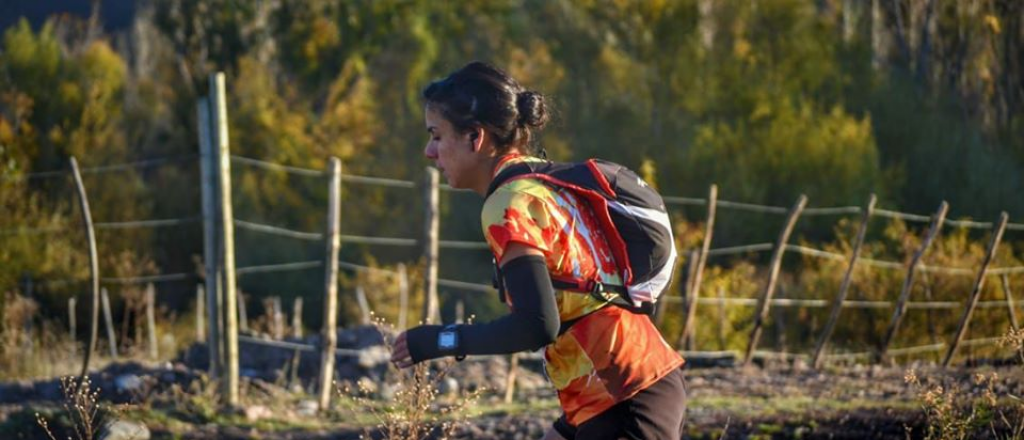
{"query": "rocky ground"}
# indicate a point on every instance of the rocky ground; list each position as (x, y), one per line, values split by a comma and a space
(174, 400)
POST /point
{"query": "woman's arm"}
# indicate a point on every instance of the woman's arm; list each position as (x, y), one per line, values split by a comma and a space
(532, 324)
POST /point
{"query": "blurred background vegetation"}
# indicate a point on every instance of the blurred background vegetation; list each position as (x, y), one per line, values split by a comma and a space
(918, 101)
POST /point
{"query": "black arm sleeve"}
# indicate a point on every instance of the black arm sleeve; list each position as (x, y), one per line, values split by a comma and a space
(532, 324)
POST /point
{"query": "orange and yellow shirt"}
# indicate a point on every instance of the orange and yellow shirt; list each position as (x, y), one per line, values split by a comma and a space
(609, 355)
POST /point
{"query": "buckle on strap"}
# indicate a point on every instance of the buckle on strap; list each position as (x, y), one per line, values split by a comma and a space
(597, 290)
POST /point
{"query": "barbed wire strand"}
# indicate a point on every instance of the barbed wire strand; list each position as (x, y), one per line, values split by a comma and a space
(848, 304)
(964, 271)
(145, 163)
(142, 279)
(149, 278)
(381, 241)
(272, 166)
(280, 267)
(484, 288)
(359, 267)
(732, 250)
(33, 231)
(440, 282)
(288, 345)
(276, 230)
(154, 223)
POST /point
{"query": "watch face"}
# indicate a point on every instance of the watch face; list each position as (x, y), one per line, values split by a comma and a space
(446, 340)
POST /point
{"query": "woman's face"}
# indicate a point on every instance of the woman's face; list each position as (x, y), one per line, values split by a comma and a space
(452, 152)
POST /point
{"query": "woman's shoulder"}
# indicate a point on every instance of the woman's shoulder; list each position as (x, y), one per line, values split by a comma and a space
(526, 195)
(522, 187)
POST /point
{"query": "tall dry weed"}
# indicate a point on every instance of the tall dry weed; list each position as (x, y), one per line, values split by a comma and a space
(86, 414)
(954, 413)
(417, 410)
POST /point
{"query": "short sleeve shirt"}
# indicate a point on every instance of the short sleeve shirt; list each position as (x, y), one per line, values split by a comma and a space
(610, 354)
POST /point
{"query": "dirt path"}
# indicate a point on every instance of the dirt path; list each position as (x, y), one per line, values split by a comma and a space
(851, 403)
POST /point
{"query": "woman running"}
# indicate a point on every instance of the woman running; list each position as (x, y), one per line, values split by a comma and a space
(615, 375)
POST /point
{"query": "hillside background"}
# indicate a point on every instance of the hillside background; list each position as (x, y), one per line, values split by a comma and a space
(917, 101)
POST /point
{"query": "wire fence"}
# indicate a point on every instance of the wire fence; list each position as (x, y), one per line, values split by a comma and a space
(411, 242)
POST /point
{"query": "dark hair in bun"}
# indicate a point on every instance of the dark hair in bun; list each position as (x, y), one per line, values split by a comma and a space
(481, 95)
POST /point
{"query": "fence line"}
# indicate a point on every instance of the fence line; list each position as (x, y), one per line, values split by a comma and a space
(673, 200)
(894, 265)
(485, 288)
(155, 223)
(477, 245)
(382, 241)
(277, 230)
(382, 181)
(149, 278)
(902, 215)
(732, 250)
(379, 181)
(277, 167)
(32, 231)
(837, 210)
(280, 267)
(847, 304)
(361, 268)
(144, 163)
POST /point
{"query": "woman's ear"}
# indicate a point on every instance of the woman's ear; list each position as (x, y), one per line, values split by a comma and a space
(476, 139)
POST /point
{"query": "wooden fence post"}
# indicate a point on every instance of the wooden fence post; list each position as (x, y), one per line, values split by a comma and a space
(1007, 293)
(73, 317)
(722, 319)
(685, 339)
(430, 245)
(773, 277)
(227, 236)
(779, 318)
(901, 304)
(990, 254)
(151, 320)
(510, 378)
(460, 312)
(297, 334)
(108, 321)
(29, 343)
(364, 306)
(844, 287)
(211, 272)
(243, 313)
(928, 315)
(200, 311)
(659, 314)
(403, 296)
(329, 338)
(278, 318)
(94, 269)
(297, 318)
(702, 259)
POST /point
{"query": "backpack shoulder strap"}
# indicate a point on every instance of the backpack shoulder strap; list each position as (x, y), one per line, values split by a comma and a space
(516, 170)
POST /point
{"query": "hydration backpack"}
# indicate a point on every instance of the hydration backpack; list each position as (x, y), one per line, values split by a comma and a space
(632, 217)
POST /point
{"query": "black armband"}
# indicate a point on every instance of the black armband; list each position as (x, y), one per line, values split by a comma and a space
(533, 322)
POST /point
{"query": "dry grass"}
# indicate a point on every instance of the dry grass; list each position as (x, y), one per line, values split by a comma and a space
(86, 414)
(417, 410)
(33, 349)
(954, 413)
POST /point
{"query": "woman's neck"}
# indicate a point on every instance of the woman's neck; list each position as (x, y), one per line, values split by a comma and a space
(495, 162)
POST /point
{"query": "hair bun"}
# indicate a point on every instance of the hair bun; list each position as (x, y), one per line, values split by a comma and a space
(533, 111)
